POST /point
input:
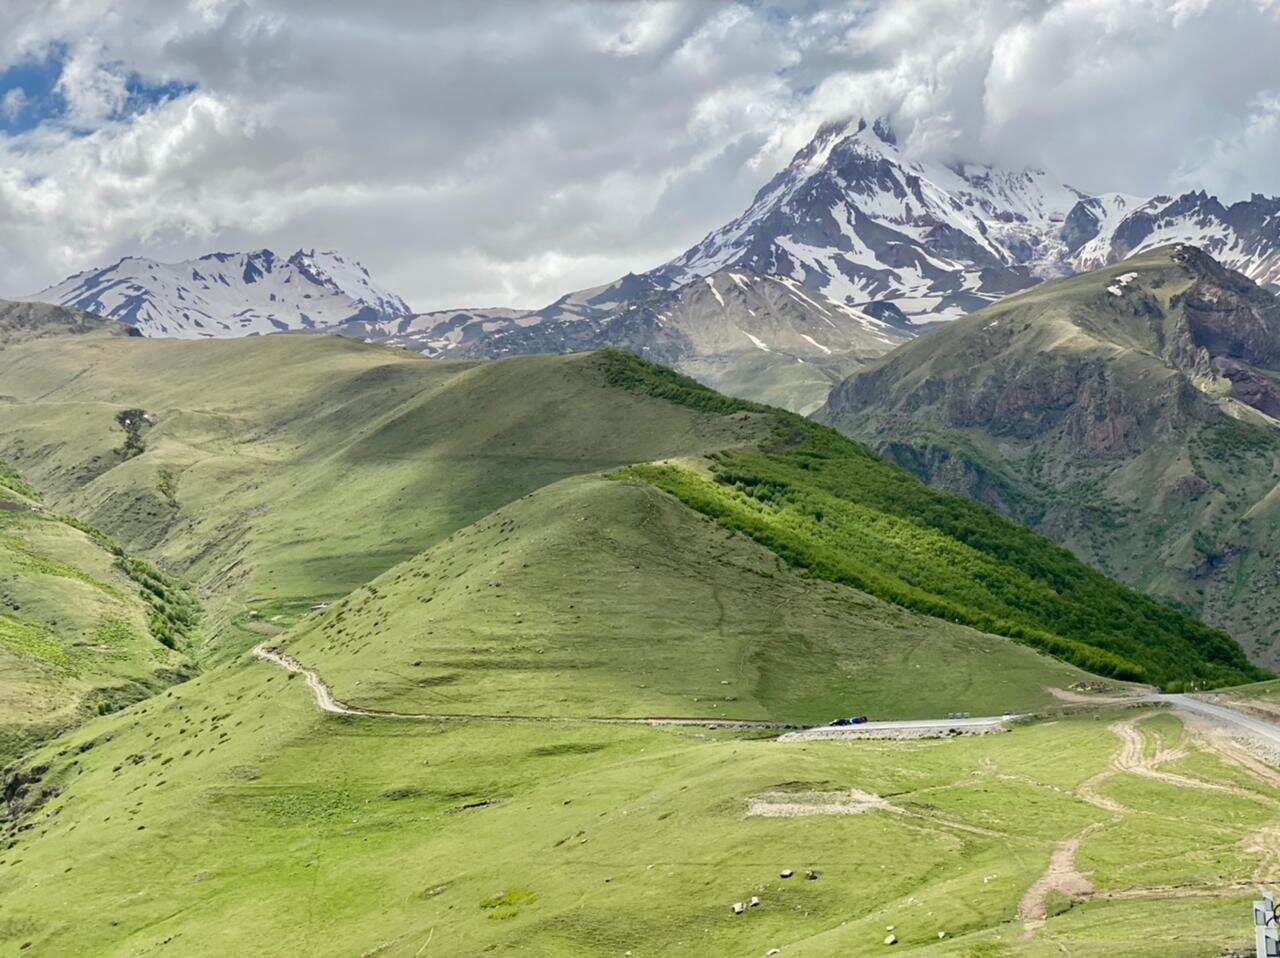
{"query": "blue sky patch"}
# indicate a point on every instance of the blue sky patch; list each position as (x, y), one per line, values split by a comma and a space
(29, 94)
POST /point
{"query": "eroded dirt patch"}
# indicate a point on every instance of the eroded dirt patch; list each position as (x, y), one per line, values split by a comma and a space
(849, 801)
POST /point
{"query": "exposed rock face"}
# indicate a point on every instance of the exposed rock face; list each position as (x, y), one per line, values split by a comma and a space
(1132, 415)
(21, 322)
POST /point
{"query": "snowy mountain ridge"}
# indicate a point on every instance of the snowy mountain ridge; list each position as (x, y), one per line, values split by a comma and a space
(856, 220)
(229, 294)
(859, 245)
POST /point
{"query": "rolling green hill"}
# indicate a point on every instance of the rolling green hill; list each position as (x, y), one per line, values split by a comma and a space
(599, 598)
(1132, 414)
(84, 629)
(829, 506)
(278, 472)
(281, 471)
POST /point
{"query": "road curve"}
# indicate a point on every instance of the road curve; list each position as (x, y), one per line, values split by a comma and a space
(1267, 732)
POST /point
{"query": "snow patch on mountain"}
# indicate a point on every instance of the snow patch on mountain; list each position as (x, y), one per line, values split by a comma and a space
(230, 294)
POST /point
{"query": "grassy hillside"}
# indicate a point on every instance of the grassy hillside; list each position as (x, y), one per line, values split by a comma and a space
(1129, 414)
(84, 629)
(281, 471)
(1262, 698)
(596, 598)
(827, 505)
(271, 504)
(230, 816)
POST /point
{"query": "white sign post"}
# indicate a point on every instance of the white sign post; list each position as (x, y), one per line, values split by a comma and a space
(1265, 929)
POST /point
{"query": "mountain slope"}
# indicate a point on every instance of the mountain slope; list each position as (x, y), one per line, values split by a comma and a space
(856, 246)
(1130, 414)
(1244, 236)
(229, 294)
(351, 458)
(84, 629)
(593, 597)
(270, 506)
(756, 336)
(855, 220)
(21, 322)
(831, 507)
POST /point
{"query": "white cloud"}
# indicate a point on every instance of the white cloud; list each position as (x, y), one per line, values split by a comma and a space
(13, 103)
(503, 153)
(93, 91)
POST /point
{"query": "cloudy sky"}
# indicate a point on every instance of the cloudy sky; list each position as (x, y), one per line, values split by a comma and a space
(501, 152)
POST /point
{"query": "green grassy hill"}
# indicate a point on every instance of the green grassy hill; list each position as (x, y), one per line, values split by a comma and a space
(281, 471)
(599, 598)
(1129, 414)
(83, 628)
(270, 504)
(827, 505)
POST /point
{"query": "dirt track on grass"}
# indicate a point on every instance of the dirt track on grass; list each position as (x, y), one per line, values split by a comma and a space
(325, 701)
(1132, 758)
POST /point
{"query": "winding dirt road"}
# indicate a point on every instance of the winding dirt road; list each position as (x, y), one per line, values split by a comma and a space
(327, 703)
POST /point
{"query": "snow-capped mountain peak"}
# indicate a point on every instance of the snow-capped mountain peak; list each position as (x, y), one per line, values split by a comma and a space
(230, 293)
(857, 220)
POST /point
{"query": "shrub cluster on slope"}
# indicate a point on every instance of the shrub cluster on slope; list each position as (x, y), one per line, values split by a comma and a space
(83, 626)
(175, 612)
(826, 504)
